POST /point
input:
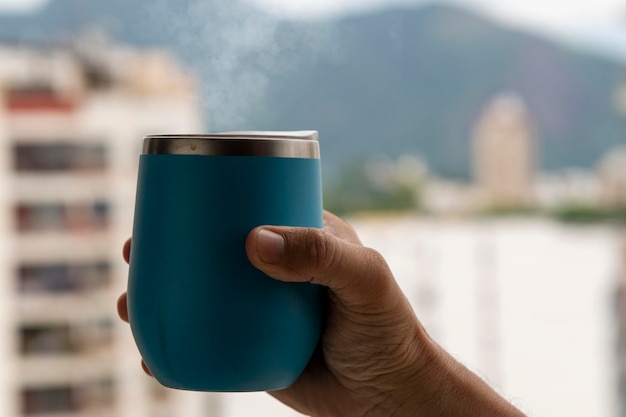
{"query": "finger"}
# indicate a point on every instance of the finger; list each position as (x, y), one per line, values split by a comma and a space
(122, 310)
(356, 274)
(145, 368)
(126, 250)
(122, 307)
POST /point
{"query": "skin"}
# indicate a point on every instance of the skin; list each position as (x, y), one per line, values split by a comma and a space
(374, 358)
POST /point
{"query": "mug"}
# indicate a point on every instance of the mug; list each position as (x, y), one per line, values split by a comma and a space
(202, 316)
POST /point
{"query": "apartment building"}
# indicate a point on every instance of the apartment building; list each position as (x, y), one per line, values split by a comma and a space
(504, 153)
(71, 123)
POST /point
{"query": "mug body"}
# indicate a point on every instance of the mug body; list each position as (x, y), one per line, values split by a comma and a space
(202, 316)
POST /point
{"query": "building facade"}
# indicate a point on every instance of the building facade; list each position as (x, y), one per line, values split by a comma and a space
(71, 123)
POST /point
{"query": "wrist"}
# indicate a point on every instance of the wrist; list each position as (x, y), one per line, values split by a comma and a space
(415, 381)
(435, 384)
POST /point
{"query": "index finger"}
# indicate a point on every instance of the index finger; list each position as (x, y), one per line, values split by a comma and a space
(126, 250)
(122, 307)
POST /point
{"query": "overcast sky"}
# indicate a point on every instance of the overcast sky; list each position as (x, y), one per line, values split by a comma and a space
(560, 12)
(600, 23)
(597, 22)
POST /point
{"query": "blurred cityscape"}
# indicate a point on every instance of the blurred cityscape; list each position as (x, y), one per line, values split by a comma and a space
(507, 176)
(519, 271)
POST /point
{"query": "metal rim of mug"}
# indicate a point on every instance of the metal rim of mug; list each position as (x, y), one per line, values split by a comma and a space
(299, 144)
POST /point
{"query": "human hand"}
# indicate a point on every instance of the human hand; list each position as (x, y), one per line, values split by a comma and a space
(374, 358)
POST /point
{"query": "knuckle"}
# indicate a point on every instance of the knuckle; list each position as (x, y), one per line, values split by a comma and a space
(374, 257)
(375, 261)
(324, 251)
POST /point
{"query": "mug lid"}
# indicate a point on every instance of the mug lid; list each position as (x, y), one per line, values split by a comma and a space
(292, 144)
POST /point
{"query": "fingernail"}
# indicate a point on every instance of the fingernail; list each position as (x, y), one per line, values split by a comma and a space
(270, 246)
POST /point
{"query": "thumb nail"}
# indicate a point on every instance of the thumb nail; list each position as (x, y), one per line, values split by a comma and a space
(270, 246)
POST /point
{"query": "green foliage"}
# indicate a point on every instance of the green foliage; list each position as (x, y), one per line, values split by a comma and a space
(503, 211)
(587, 214)
(354, 191)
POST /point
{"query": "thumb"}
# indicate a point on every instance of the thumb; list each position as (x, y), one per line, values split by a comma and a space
(357, 275)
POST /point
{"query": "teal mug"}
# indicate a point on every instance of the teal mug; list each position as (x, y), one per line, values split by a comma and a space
(201, 315)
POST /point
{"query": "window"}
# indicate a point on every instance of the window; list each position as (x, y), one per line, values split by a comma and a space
(91, 336)
(91, 395)
(96, 395)
(59, 157)
(48, 400)
(64, 278)
(46, 340)
(65, 338)
(79, 217)
(41, 217)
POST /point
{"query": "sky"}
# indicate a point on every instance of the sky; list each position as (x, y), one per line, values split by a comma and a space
(20, 6)
(600, 24)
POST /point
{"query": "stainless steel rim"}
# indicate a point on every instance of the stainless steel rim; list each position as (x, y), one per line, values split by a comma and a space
(302, 144)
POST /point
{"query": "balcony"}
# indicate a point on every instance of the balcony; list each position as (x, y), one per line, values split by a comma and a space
(43, 308)
(69, 369)
(94, 399)
(108, 412)
(77, 217)
(66, 352)
(54, 246)
(63, 278)
(37, 98)
(59, 157)
(35, 187)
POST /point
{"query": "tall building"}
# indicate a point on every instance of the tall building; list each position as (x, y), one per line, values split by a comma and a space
(504, 154)
(71, 123)
(611, 169)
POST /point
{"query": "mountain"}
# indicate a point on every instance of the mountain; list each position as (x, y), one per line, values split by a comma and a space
(418, 79)
(401, 80)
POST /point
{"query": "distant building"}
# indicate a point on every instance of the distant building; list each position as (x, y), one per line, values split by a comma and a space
(612, 167)
(612, 175)
(504, 154)
(568, 187)
(450, 198)
(71, 123)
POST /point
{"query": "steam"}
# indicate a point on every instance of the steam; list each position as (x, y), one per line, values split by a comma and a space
(236, 49)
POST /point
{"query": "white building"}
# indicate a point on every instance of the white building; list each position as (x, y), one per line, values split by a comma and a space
(575, 187)
(504, 153)
(71, 123)
(528, 304)
(451, 198)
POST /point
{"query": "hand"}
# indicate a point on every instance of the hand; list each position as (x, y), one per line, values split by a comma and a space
(374, 357)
